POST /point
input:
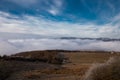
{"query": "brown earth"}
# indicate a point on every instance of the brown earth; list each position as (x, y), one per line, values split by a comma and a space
(74, 69)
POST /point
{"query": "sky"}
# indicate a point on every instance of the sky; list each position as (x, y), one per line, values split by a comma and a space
(58, 18)
(27, 25)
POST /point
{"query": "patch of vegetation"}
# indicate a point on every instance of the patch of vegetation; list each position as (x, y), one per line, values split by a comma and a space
(107, 71)
(60, 71)
(54, 57)
(34, 65)
(5, 70)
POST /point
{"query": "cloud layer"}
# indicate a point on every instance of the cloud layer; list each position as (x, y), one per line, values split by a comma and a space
(32, 25)
(26, 33)
(39, 25)
(12, 46)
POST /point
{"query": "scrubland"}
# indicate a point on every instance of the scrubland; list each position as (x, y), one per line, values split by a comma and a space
(61, 65)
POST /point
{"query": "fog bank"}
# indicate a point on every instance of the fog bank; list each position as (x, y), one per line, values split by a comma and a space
(11, 46)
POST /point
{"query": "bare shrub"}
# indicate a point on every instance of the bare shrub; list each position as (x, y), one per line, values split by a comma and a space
(106, 71)
(53, 57)
(5, 70)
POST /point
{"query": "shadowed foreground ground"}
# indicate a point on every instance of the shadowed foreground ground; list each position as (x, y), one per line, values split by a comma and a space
(74, 69)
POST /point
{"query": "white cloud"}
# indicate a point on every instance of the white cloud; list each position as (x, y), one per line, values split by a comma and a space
(37, 25)
(12, 46)
(56, 7)
(7, 48)
(53, 7)
(53, 11)
(20, 34)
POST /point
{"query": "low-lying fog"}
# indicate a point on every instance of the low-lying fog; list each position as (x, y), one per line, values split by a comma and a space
(10, 46)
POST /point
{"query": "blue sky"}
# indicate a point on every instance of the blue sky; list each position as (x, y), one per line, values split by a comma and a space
(76, 18)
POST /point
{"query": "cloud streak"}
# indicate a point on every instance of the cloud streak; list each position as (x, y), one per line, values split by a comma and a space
(39, 25)
(54, 7)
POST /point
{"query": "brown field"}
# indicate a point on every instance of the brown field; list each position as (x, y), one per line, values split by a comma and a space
(75, 69)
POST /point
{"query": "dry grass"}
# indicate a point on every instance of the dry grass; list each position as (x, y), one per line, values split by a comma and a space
(80, 63)
(78, 72)
(106, 71)
(89, 57)
(46, 56)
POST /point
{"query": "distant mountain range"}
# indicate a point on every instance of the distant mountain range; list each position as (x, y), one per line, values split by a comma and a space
(5, 35)
(100, 39)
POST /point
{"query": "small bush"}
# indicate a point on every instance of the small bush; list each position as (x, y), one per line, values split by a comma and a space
(5, 70)
(53, 57)
(107, 71)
